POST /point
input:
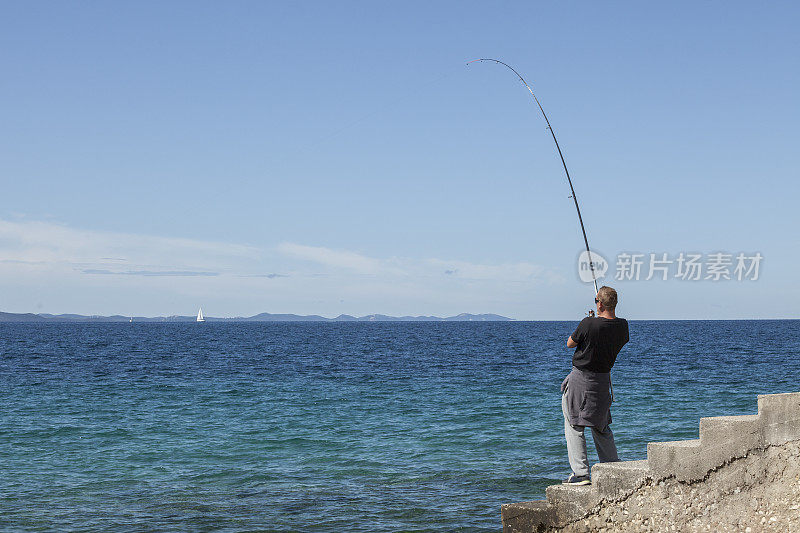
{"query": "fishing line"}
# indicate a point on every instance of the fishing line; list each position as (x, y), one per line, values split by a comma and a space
(561, 155)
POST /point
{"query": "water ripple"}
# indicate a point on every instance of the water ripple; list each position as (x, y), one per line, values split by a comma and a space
(335, 427)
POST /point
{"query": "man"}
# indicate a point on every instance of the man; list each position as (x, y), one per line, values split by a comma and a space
(587, 394)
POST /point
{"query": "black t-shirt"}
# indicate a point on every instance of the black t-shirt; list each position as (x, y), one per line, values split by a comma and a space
(599, 341)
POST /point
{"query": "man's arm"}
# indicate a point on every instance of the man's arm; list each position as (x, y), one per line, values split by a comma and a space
(571, 343)
(579, 333)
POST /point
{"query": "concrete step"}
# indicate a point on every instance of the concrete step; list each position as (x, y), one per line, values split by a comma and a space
(565, 504)
(780, 417)
(727, 437)
(715, 428)
(681, 458)
(576, 499)
(527, 517)
(786, 403)
(616, 480)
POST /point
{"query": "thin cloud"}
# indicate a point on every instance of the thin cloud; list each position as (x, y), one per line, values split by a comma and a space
(179, 273)
(410, 268)
(95, 267)
(20, 262)
(333, 258)
(48, 244)
(521, 271)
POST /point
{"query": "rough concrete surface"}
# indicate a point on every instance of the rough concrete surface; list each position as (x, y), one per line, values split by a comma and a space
(755, 493)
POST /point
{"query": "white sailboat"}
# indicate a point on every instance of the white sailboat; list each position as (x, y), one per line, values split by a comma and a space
(200, 315)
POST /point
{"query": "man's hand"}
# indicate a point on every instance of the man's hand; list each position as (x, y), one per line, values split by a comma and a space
(571, 343)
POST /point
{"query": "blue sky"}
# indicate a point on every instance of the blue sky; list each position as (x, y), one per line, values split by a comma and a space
(340, 157)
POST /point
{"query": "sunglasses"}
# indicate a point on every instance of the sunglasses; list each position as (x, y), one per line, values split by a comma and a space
(596, 301)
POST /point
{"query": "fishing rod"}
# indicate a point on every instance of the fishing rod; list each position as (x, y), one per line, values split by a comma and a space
(564, 163)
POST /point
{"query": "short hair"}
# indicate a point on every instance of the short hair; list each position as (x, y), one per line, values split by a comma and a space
(607, 296)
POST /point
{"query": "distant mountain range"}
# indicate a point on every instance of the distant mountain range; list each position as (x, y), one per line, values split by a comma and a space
(261, 317)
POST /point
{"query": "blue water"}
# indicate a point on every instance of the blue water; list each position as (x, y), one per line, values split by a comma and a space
(336, 426)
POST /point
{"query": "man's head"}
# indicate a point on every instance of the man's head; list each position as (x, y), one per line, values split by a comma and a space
(607, 297)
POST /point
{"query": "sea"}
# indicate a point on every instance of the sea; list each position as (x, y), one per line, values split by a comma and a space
(336, 427)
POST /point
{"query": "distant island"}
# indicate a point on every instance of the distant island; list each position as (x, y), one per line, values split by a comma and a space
(261, 317)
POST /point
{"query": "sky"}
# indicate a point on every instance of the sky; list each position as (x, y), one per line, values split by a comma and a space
(342, 157)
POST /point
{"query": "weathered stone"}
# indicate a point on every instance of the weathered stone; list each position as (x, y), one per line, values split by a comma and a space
(727, 437)
(527, 517)
(780, 416)
(580, 498)
(617, 480)
(681, 458)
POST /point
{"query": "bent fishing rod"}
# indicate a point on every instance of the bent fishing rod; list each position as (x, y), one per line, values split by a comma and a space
(564, 163)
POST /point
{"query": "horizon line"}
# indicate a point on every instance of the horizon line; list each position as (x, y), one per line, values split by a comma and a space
(408, 318)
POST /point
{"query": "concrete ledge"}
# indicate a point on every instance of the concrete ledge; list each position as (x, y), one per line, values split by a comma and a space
(527, 517)
(780, 414)
(582, 498)
(724, 438)
(617, 480)
(681, 458)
